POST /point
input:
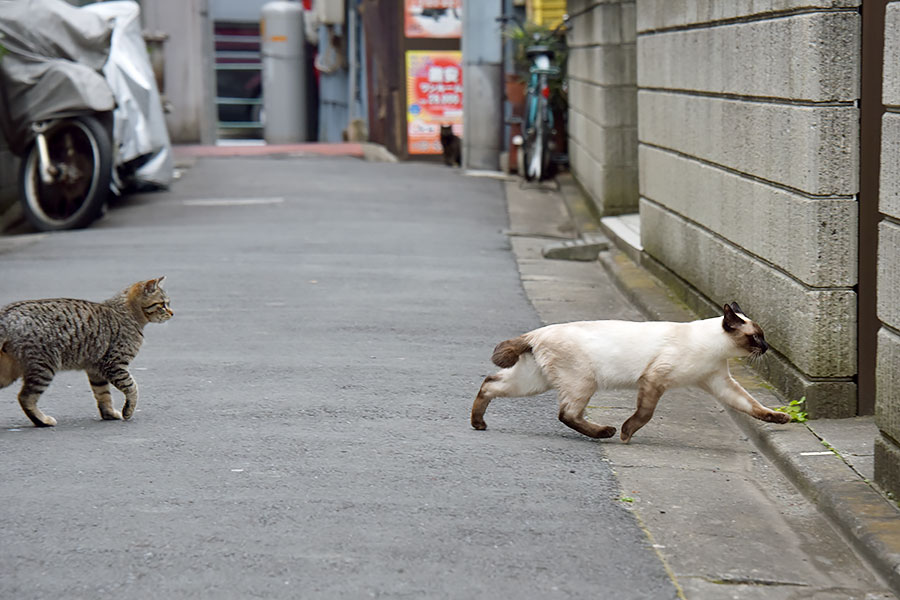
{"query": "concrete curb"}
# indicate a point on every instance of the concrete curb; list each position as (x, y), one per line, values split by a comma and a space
(867, 519)
(366, 151)
(860, 513)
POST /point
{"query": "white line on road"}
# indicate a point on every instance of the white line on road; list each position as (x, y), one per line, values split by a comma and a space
(233, 201)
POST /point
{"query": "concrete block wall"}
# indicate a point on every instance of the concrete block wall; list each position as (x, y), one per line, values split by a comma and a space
(748, 159)
(887, 401)
(602, 125)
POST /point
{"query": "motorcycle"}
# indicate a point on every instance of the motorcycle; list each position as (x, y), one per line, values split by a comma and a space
(79, 106)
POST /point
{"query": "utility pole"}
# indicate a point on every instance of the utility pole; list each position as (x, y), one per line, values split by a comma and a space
(482, 53)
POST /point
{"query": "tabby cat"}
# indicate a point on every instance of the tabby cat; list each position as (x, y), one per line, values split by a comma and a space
(40, 337)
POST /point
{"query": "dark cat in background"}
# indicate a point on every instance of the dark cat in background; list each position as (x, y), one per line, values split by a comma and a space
(452, 146)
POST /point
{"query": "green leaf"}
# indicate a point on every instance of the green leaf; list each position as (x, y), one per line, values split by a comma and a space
(795, 409)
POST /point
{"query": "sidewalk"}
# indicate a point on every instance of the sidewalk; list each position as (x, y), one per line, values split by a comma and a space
(692, 454)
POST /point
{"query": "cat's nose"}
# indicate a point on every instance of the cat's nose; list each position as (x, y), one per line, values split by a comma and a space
(763, 346)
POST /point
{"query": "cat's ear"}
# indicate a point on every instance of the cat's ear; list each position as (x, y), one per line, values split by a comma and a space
(731, 321)
(153, 284)
(736, 308)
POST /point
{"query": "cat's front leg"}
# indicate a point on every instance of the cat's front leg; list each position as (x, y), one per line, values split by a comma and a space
(649, 392)
(100, 387)
(123, 381)
(730, 392)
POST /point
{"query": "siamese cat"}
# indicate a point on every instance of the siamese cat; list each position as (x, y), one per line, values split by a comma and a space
(576, 359)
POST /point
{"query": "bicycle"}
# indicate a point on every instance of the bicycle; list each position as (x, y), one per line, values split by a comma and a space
(538, 118)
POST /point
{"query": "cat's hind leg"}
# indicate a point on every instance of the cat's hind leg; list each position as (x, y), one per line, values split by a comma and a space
(572, 402)
(100, 387)
(522, 379)
(125, 383)
(33, 385)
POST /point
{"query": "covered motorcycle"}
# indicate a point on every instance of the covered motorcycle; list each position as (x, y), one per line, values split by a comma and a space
(79, 105)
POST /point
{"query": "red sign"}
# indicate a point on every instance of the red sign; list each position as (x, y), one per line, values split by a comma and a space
(434, 97)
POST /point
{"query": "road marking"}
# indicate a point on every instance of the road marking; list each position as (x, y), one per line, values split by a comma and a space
(233, 201)
(825, 453)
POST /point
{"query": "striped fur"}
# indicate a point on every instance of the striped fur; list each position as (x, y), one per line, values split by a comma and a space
(38, 338)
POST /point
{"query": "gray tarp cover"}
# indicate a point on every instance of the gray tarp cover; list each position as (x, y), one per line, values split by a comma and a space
(61, 59)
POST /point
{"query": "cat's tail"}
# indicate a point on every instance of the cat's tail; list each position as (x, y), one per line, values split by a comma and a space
(507, 353)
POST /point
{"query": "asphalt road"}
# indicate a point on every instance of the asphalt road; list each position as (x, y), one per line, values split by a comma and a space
(303, 427)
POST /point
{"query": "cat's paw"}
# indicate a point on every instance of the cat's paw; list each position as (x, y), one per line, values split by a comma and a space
(111, 415)
(47, 421)
(128, 410)
(777, 417)
(605, 432)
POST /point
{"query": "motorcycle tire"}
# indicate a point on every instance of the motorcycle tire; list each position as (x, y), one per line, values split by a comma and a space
(80, 149)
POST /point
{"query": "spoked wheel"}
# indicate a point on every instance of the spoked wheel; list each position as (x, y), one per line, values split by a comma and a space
(536, 149)
(80, 155)
(533, 153)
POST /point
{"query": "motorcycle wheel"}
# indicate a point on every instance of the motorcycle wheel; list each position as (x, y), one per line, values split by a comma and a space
(81, 152)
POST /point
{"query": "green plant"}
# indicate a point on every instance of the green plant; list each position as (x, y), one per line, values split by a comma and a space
(795, 410)
(626, 499)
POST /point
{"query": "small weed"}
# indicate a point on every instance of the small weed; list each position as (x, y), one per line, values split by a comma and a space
(830, 447)
(795, 410)
(626, 499)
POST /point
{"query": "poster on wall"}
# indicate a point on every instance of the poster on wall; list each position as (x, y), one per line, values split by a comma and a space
(433, 18)
(434, 96)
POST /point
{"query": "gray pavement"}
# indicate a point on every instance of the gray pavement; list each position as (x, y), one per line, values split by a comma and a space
(303, 427)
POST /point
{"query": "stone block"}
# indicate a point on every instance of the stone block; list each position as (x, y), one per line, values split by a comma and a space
(629, 22)
(889, 275)
(889, 201)
(613, 189)
(887, 383)
(609, 106)
(605, 65)
(812, 57)
(815, 329)
(890, 92)
(813, 149)
(887, 465)
(812, 239)
(663, 14)
(610, 145)
(602, 25)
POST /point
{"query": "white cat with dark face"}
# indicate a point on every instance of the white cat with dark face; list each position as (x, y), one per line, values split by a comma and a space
(576, 359)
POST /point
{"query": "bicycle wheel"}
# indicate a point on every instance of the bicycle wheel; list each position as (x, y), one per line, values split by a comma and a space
(537, 155)
(80, 153)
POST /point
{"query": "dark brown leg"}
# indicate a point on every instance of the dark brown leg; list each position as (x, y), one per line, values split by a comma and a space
(482, 400)
(649, 393)
(571, 413)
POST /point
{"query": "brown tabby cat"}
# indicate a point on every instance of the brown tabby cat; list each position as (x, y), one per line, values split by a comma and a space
(40, 337)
